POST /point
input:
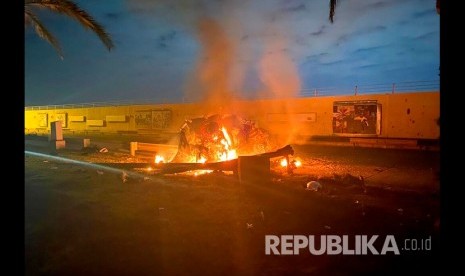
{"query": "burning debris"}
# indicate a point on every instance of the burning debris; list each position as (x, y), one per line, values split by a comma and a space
(220, 138)
(220, 143)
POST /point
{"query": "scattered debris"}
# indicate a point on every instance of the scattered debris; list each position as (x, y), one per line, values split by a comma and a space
(103, 150)
(400, 210)
(146, 178)
(327, 227)
(100, 172)
(357, 202)
(362, 182)
(262, 215)
(249, 225)
(124, 177)
(54, 168)
(89, 150)
(314, 186)
(45, 161)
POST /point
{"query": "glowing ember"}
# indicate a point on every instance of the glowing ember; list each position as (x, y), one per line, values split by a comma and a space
(159, 159)
(202, 160)
(200, 172)
(298, 163)
(283, 162)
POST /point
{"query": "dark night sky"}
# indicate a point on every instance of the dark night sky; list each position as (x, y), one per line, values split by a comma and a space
(158, 50)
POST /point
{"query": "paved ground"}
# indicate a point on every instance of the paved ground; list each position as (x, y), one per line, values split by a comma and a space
(82, 220)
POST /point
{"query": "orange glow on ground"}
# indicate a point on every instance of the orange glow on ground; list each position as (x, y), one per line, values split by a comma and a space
(201, 172)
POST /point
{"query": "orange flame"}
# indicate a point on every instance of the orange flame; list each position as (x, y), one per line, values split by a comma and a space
(159, 159)
(200, 172)
(229, 153)
(295, 163)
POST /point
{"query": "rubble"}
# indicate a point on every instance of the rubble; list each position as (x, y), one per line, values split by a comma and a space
(314, 186)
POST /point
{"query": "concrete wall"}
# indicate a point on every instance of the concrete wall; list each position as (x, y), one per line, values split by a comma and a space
(404, 115)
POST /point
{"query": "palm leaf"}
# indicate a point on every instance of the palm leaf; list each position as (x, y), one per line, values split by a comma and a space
(74, 11)
(41, 31)
(332, 9)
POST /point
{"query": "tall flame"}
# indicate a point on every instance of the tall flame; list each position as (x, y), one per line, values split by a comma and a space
(229, 153)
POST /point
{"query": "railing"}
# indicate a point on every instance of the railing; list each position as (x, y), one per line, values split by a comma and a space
(100, 104)
(400, 87)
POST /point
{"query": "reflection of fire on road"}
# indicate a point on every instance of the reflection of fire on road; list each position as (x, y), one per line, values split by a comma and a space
(220, 138)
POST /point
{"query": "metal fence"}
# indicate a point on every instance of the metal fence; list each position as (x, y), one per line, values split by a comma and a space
(400, 87)
(392, 88)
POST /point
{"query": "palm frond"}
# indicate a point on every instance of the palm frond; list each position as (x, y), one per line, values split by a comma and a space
(72, 10)
(41, 31)
(332, 9)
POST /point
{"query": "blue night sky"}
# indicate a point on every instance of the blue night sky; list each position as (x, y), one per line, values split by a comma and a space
(269, 45)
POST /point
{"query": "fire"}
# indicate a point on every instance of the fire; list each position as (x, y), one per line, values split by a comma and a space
(228, 153)
(226, 135)
(159, 159)
(201, 172)
(296, 163)
(202, 160)
(220, 138)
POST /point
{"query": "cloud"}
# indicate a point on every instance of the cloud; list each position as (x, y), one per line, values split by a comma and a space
(165, 39)
(113, 15)
(370, 49)
(319, 32)
(333, 62)
(424, 13)
(427, 35)
(365, 31)
(295, 8)
(369, 66)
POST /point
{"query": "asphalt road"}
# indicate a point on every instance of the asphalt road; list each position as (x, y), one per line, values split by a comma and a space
(81, 220)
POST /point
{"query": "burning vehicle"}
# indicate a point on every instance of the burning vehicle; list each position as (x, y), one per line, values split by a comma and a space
(219, 138)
